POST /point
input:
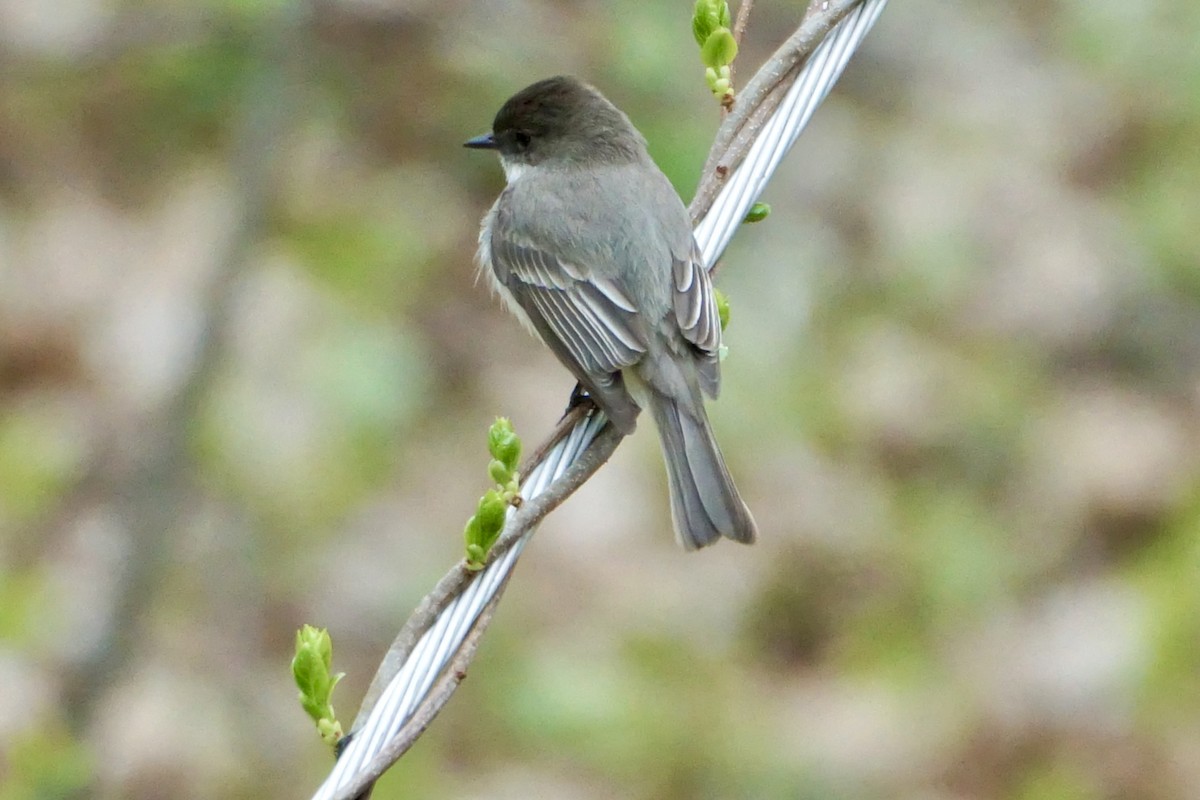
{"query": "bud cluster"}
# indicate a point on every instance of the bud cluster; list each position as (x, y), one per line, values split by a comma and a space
(483, 529)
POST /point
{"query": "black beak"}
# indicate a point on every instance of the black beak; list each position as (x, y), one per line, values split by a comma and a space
(484, 142)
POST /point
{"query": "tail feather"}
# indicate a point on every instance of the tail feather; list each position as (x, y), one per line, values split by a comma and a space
(705, 504)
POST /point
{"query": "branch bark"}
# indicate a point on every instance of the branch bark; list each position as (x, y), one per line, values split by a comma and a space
(762, 95)
(743, 18)
(398, 745)
(519, 524)
(739, 32)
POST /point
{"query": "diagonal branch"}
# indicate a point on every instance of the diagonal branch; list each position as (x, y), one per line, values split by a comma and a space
(519, 523)
(360, 786)
(743, 18)
(739, 33)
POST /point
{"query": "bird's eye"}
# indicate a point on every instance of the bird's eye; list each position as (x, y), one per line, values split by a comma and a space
(522, 138)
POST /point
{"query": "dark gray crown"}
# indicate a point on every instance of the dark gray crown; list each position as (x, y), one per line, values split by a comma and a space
(563, 117)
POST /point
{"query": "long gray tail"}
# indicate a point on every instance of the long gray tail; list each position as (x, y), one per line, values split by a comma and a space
(705, 504)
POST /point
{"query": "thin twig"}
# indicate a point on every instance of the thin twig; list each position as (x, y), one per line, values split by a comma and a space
(431, 607)
(429, 708)
(565, 425)
(761, 97)
(739, 24)
(520, 523)
(448, 588)
(453, 582)
(739, 30)
(532, 512)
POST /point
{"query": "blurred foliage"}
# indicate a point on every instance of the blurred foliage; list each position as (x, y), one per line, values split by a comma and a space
(962, 399)
(45, 762)
(34, 464)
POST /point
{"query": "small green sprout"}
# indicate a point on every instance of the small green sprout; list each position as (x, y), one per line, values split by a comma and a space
(722, 307)
(504, 444)
(718, 47)
(723, 315)
(719, 50)
(483, 529)
(311, 669)
(707, 17)
(758, 212)
(477, 543)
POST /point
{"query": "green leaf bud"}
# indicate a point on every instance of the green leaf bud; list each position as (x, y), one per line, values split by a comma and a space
(722, 307)
(492, 513)
(702, 21)
(472, 533)
(758, 212)
(719, 49)
(316, 640)
(330, 730)
(504, 444)
(707, 17)
(306, 670)
(476, 556)
(311, 671)
(498, 472)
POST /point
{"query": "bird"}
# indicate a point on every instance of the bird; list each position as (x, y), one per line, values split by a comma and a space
(592, 249)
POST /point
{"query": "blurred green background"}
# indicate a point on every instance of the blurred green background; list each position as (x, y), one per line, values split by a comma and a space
(246, 373)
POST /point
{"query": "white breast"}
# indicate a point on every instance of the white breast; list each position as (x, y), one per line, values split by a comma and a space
(512, 169)
(483, 255)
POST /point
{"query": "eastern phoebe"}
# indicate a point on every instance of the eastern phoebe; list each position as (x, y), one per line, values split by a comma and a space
(592, 249)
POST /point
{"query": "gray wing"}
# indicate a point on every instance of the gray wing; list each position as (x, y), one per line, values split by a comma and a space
(695, 308)
(592, 317)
